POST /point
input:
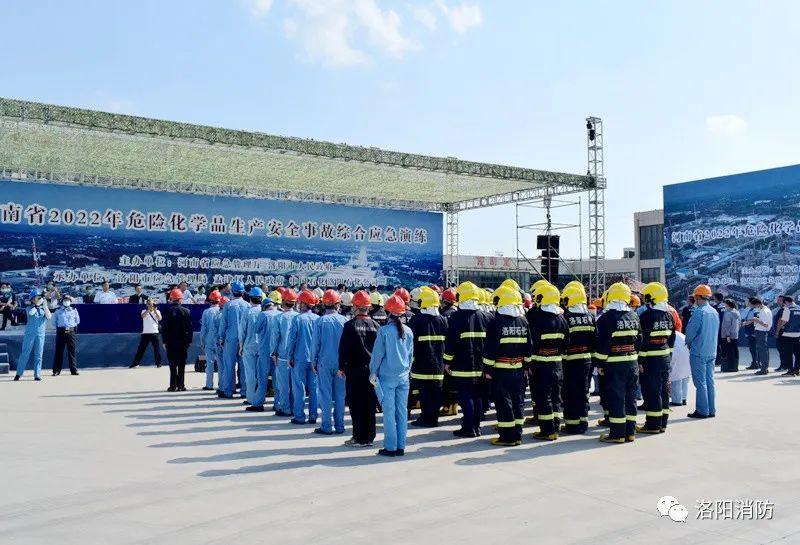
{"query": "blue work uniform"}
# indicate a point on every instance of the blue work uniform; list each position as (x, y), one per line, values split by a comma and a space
(702, 335)
(279, 342)
(209, 336)
(330, 386)
(265, 367)
(33, 342)
(391, 364)
(249, 341)
(300, 346)
(228, 332)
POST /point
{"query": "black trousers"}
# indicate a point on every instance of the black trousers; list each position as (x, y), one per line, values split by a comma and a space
(176, 355)
(655, 391)
(144, 340)
(574, 391)
(430, 400)
(784, 346)
(547, 379)
(362, 400)
(508, 392)
(65, 339)
(9, 316)
(730, 355)
(795, 345)
(620, 382)
(470, 397)
(751, 344)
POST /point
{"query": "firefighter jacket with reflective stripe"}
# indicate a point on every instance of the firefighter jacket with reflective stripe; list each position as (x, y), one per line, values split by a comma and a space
(619, 337)
(549, 336)
(508, 343)
(429, 338)
(463, 351)
(582, 336)
(658, 336)
(448, 311)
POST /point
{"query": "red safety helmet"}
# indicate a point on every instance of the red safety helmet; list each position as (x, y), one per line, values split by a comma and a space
(403, 294)
(175, 295)
(437, 289)
(289, 296)
(213, 297)
(395, 305)
(361, 299)
(331, 297)
(223, 300)
(449, 295)
(309, 298)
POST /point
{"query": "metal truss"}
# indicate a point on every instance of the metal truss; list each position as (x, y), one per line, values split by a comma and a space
(597, 207)
(451, 273)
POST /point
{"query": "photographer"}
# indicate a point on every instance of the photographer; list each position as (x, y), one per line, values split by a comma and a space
(33, 342)
(151, 317)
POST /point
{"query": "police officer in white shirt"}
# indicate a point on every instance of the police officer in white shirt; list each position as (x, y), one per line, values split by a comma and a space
(762, 319)
(106, 296)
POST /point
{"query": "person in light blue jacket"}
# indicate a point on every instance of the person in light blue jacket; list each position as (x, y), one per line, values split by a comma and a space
(209, 337)
(330, 381)
(279, 348)
(301, 344)
(389, 370)
(249, 343)
(265, 366)
(33, 341)
(702, 335)
(229, 341)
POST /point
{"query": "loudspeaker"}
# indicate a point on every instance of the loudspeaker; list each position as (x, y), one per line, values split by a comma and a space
(550, 255)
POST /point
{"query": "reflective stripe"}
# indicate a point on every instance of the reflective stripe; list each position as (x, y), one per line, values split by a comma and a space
(572, 422)
(545, 358)
(613, 420)
(528, 359)
(625, 333)
(466, 374)
(663, 352)
(630, 418)
(584, 419)
(552, 336)
(581, 328)
(653, 413)
(506, 424)
(613, 359)
(431, 338)
(519, 421)
(665, 412)
(510, 340)
(448, 357)
(547, 416)
(427, 377)
(661, 333)
(473, 335)
(559, 415)
(487, 361)
(599, 356)
(581, 356)
(501, 365)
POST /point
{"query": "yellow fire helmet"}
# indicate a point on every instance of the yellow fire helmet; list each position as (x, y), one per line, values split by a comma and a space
(467, 291)
(506, 295)
(275, 297)
(427, 298)
(546, 295)
(573, 294)
(510, 283)
(375, 298)
(539, 283)
(618, 292)
(654, 293)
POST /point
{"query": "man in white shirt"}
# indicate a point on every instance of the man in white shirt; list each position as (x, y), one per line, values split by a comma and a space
(187, 295)
(762, 320)
(106, 296)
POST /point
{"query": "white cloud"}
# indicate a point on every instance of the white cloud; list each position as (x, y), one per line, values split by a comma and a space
(726, 125)
(461, 17)
(383, 28)
(424, 15)
(259, 8)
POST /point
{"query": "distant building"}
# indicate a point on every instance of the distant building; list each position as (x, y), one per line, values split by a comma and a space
(648, 232)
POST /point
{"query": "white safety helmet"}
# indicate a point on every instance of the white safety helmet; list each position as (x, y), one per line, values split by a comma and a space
(347, 299)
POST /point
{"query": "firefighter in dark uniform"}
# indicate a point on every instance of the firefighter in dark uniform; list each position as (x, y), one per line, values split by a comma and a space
(449, 393)
(577, 362)
(658, 338)
(427, 368)
(176, 334)
(619, 337)
(463, 356)
(531, 317)
(508, 345)
(549, 337)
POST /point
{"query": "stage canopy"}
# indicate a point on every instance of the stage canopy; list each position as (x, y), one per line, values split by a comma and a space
(55, 143)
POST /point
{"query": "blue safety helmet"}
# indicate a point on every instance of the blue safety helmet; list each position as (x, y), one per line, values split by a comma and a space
(256, 293)
(35, 292)
(237, 287)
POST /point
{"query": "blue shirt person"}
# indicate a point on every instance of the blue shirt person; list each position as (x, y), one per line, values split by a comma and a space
(330, 382)
(702, 335)
(300, 347)
(33, 341)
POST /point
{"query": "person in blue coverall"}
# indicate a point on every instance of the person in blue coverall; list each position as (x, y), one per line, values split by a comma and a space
(300, 346)
(209, 339)
(33, 342)
(229, 341)
(389, 370)
(265, 366)
(330, 381)
(279, 348)
(249, 343)
(702, 334)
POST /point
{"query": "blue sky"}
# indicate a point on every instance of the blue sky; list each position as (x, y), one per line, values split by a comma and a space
(686, 89)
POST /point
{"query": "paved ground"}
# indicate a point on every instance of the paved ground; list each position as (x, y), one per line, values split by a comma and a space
(111, 458)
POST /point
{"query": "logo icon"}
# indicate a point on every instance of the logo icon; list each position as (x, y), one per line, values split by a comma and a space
(669, 506)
